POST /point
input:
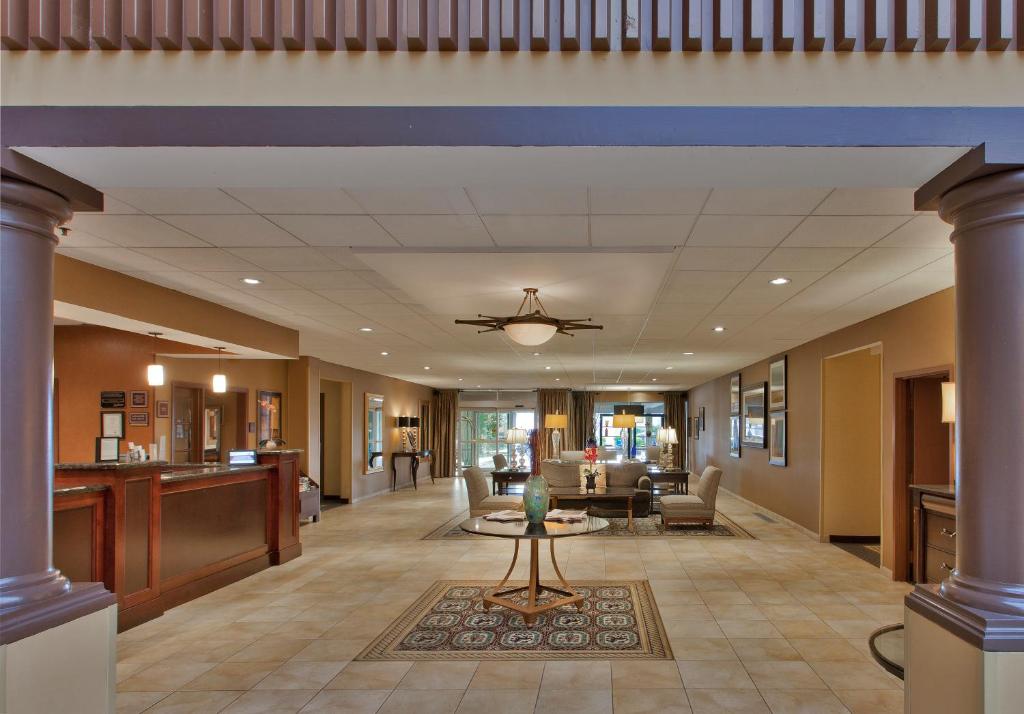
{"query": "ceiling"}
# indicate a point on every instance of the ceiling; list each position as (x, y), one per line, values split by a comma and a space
(657, 245)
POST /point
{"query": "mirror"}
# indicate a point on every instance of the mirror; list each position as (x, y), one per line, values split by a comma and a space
(211, 431)
(374, 432)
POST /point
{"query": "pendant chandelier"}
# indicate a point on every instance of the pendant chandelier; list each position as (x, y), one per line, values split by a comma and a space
(155, 370)
(531, 325)
(220, 380)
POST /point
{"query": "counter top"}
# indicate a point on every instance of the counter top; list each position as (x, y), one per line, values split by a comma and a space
(936, 489)
(75, 490)
(278, 451)
(109, 465)
(188, 475)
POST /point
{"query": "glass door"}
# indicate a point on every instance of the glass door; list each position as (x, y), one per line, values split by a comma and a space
(645, 434)
(482, 434)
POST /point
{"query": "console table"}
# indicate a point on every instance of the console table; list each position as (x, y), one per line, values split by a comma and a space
(414, 465)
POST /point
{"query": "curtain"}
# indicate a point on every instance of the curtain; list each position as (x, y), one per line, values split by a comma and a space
(445, 408)
(549, 401)
(581, 421)
(675, 416)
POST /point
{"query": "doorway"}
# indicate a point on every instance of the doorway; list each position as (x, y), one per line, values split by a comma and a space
(336, 440)
(224, 423)
(922, 453)
(851, 452)
(186, 400)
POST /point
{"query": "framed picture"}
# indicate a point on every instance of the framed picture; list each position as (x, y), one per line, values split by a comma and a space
(753, 428)
(138, 418)
(734, 436)
(139, 399)
(777, 385)
(112, 400)
(107, 448)
(734, 394)
(268, 416)
(163, 409)
(777, 438)
(703, 420)
(112, 424)
(696, 427)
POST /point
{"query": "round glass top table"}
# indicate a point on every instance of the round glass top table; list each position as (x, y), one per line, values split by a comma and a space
(886, 646)
(526, 599)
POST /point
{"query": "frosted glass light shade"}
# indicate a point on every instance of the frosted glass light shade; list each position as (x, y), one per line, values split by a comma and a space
(623, 421)
(516, 436)
(155, 375)
(556, 421)
(530, 333)
(220, 383)
(667, 435)
(948, 402)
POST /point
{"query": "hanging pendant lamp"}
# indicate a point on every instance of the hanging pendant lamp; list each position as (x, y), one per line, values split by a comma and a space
(531, 325)
(155, 372)
(220, 380)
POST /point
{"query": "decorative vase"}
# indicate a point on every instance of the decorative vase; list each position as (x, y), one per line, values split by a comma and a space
(591, 480)
(535, 498)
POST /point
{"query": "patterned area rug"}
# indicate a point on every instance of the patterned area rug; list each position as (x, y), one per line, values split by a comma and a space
(617, 528)
(619, 620)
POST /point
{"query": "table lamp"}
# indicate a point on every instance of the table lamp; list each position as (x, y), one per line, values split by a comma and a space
(556, 422)
(518, 437)
(666, 438)
(624, 422)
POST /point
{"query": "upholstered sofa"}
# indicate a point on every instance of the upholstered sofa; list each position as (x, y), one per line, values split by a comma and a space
(698, 507)
(563, 474)
(481, 502)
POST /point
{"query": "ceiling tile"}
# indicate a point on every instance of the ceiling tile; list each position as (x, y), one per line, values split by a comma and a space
(924, 231)
(707, 278)
(356, 297)
(637, 230)
(728, 258)
(284, 259)
(615, 200)
(842, 231)
(788, 259)
(325, 279)
(201, 259)
(381, 310)
(111, 206)
(413, 200)
(119, 259)
(342, 257)
(752, 231)
(423, 231)
(81, 239)
(233, 279)
(894, 261)
(234, 231)
(868, 201)
(178, 200)
(294, 298)
(361, 231)
(764, 201)
(532, 200)
(296, 200)
(546, 231)
(134, 231)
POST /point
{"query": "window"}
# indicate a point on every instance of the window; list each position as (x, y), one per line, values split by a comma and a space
(645, 434)
(482, 434)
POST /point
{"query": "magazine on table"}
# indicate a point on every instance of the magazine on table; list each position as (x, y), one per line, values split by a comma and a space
(505, 516)
(562, 515)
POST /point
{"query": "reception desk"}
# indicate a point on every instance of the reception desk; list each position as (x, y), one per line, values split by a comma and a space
(159, 535)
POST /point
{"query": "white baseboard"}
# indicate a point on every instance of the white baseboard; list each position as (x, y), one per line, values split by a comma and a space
(761, 509)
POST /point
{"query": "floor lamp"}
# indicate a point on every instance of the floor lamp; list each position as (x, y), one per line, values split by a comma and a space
(624, 422)
(556, 422)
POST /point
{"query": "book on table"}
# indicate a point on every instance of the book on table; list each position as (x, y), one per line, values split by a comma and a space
(562, 515)
(505, 516)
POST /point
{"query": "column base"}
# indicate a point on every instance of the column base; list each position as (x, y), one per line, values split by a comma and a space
(44, 614)
(68, 668)
(945, 673)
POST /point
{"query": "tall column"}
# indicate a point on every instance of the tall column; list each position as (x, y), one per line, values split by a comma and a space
(33, 595)
(987, 215)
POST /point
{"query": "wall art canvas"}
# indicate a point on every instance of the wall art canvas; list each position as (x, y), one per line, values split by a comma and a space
(754, 426)
(734, 436)
(112, 399)
(777, 438)
(734, 394)
(139, 399)
(777, 385)
(138, 419)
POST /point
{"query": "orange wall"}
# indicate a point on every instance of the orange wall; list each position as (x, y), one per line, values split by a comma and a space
(915, 336)
(90, 359)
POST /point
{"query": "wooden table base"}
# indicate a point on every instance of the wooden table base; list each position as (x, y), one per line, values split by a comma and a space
(531, 609)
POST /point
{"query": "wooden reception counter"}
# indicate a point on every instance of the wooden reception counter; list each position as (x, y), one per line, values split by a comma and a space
(158, 535)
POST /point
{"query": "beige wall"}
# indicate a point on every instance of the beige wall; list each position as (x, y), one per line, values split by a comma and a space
(914, 336)
(851, 444)
(330, 469)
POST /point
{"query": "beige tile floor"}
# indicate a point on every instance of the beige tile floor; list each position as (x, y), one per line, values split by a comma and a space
(778, 624)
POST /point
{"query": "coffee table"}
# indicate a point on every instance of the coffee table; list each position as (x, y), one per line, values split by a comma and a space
(534, 533)
(607, 493)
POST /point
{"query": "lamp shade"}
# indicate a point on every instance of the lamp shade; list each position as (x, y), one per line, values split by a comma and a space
(530, 333)
(667, 435)
(155, 375)
(516, 436)
(403, 421)
(948, 402)
(556, 421)
(220, 383)
(414, 422)
(623, 421)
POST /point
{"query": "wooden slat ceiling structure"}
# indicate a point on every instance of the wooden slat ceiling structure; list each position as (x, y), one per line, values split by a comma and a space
(515, 25)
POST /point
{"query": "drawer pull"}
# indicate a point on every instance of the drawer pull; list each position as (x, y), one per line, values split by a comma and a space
(944, 566)
(948, 533)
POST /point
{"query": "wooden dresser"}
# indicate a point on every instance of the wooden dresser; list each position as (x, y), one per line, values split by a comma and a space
(933, 515)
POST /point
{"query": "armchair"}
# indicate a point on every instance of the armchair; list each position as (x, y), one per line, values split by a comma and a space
(698, 507)
(500, 462)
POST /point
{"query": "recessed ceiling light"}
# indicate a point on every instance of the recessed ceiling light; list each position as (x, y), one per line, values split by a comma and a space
(536, 354)
(366, 329)
(558, 379)
(688, 354)
(426, 366)
(668, 368)
(779, 281)
(718, 328)
(384, 354)
(251, 281)
(654, 379)
(547, 367)
(460, 379)
(478, 386)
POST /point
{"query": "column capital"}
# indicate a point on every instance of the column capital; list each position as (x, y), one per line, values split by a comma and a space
(27, 207)
(984, 202)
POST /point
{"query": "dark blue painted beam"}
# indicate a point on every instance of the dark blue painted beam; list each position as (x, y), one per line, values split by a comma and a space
(509, 126)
